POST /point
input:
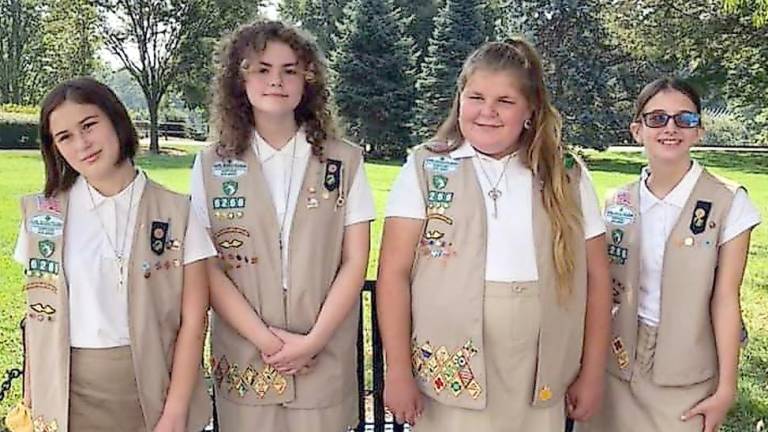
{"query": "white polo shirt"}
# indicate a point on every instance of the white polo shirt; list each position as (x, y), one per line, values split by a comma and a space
(510, 250)
(98, 309)
(276, 165)
(659, 217)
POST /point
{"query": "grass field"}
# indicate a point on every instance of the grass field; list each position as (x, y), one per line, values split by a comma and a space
(22, 173)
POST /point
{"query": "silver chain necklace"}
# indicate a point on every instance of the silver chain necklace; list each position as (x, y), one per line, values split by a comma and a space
(494, 194)
(120, 250)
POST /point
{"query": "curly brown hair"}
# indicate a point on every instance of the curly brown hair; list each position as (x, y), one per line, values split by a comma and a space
(233, 113)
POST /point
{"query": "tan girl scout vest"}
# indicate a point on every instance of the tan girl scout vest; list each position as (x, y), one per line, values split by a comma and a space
(447, 291)
(155, 281)
(246, 231)
(685, 347)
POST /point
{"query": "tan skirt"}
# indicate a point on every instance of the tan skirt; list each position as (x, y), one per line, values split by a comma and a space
(235, 417)
(510, 334)
(103, 395)
(640, 405)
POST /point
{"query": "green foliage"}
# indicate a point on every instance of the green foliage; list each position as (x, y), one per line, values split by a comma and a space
(759, 9)
(18, 131)
(19, 109)
(726, 129)
(373, 77)
(458, 31)
(20, 51)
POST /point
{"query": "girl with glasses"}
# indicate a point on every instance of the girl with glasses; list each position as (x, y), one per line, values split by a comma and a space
(677, 242)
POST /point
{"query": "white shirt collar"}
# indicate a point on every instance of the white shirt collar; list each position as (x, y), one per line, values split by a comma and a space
(267, 152)
(677, 196)
(466, 150)
(82, 187)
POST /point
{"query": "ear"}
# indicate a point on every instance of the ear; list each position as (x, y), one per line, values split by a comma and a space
(634, 129)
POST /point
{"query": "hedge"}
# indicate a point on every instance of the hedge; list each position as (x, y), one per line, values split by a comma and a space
(18, 131)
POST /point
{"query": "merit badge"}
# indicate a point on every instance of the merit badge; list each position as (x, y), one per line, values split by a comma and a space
(229, 187)
(229, 169)
(439, 182)
(46, 225)
(617, 254)
(157, 236)
(700, 216)
(622, 358)
(619, 214)
(545, 394)
(332, 174)
(622, 197)
(617, 236)
(440, 164)
(46, 248)
(441, 217)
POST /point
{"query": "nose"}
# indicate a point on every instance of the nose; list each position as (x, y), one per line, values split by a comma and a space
(488, 110)
(275, 79)
(81, 141)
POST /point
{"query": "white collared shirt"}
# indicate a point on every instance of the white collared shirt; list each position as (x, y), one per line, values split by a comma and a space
(98, 309)
(510, 251)
(276, 165)
(659, 217)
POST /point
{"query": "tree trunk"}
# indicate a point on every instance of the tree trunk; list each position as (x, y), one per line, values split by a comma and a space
(154, 145)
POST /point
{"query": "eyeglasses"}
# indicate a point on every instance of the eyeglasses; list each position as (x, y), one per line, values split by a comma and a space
(683, 119)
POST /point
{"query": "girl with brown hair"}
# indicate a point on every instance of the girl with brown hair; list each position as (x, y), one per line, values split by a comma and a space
(493, 272)
(288, 207)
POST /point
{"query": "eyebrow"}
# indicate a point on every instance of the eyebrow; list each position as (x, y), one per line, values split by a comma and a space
(296, 63)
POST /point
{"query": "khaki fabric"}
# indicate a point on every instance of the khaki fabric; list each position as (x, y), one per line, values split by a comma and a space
(278, 418)
(155, 284)
(641, 405)
(103, 392)
(511, 330)
(685, 351)
(447, 281)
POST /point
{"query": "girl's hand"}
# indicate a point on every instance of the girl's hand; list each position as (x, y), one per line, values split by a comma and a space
(713, 409)
(584, 396)
(297, 352)
(402, 397)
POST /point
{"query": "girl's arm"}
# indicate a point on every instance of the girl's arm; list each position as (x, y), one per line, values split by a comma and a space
(189, 347)
(726, 321)
(233, 307)
(393, 299)
(344, 293)
(585, 394)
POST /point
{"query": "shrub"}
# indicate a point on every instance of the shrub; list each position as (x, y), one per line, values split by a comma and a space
(18, 131)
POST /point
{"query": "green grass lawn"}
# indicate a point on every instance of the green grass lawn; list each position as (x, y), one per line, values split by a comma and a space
(22, 173)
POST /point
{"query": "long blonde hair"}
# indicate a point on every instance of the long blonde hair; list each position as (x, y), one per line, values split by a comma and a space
(540, 147)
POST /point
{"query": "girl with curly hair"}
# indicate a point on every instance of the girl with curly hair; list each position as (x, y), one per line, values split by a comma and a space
(289, 208)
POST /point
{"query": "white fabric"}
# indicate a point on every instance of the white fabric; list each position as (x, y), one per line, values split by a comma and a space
(276, 165)
(510, 254)
(659, 217)
(98, 309)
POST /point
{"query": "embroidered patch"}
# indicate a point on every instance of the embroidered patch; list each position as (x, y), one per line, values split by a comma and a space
(146, 269)
(221, 215)
(48, 204)
(545, 394)
(230, 244)
(229, 188)
(617, 254)
(46, 225)
(622, 357)
(46, 248)
(439, 182)
(440, 217)
(568, 160)
(157, 236)
(42, 312)
(226, 203)
(41, 425)
(40, 285)
(444, 369)
(332, 174)
(173, 244)
(229, 169)
(440, 164)
(619, 214)
(312, 203)
(250, 379)
(617, 236)
(44, 266)
(688, 242)
(700, 216)
(232, 230)
(436, 247)
(622, 197)
(438, 201)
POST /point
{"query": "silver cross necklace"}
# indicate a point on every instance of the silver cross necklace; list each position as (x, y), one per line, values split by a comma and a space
(495, 193)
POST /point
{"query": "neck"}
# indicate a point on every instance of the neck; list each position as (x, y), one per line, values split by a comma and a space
(665, 176)
(116, 181)
(506, 152)
(277, 131)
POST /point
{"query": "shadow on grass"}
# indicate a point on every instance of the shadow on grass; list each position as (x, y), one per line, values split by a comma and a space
(752, 163)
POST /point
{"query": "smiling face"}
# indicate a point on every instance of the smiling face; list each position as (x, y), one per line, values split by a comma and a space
(670, 143)
(492, 111)
(274, 80)
(86, 138)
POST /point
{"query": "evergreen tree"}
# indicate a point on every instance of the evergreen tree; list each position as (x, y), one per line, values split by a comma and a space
(319, 17)
(373, 77)
(421, 14)
(459, 30)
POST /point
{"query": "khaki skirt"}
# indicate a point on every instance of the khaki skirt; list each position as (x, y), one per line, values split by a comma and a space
(103, 395)
(640, 405)
(512, 317)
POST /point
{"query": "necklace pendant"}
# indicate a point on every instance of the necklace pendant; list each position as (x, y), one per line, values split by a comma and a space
(495, 194)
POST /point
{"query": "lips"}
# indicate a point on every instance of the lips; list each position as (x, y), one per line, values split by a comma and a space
(669, 141)
(280, 95)
(91, 158)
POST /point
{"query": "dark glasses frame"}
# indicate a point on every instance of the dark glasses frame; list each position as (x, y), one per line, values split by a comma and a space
(683, 119)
